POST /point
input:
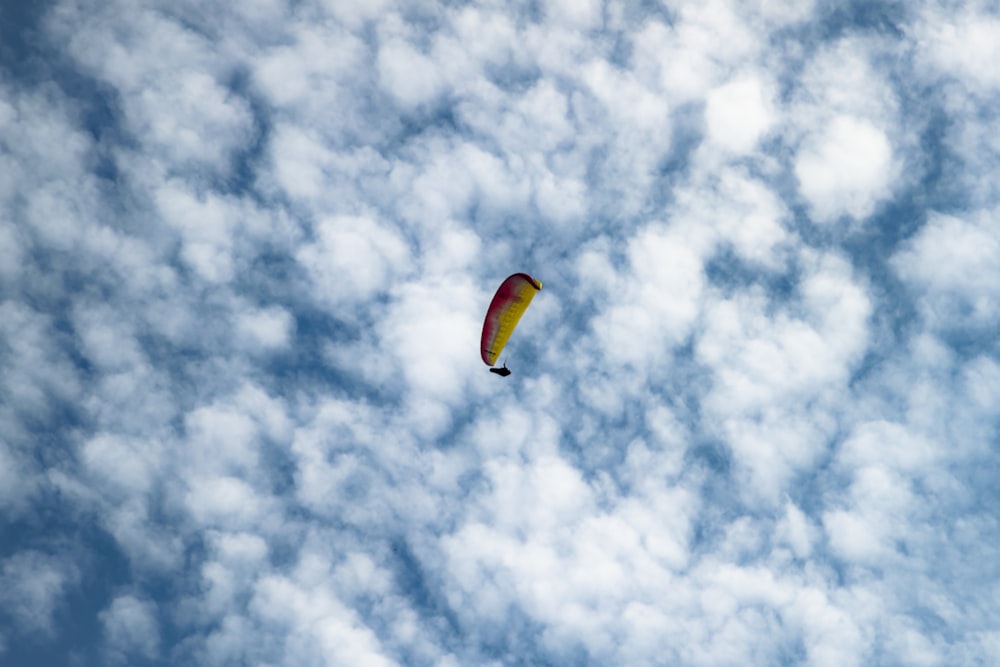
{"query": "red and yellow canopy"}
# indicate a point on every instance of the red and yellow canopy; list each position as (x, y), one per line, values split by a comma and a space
(509, 303)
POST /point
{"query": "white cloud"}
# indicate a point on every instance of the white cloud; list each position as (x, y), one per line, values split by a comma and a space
(206, 110)
(690, 57)
(313, 73)
(636, 117)
(108, 343)
(45, 153)
(353, 259)
(582, 15)
(738, 114)
(890, 445)
(654, 306)
(777, 376)
(410, 76)
(343, 462)
(782, 12)
(832, 637)
(959, 42)
(843, 78)
(489, 35)
(848, 170)
(538, 134)
(211, 228)
(843, 121)
(32, 587)
(265, 329)
(132, 525)
(951, 43)
(881, 501)
(38, 374)
(330, 632)
(355, 15)
(130, 629)
(732, 209)
(224, 500)
(795, 530)
(169, 78)
(125, 466)
(425, 328)
(953, 265)
(16, 480)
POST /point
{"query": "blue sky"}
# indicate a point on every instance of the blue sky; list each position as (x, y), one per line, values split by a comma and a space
(245, 254)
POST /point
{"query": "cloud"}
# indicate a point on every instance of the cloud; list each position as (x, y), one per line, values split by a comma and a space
(688, 57)
(655, 304)
(951, 263)
(777, 376)
(795, 530)
(125, 467)
(844, 124)
(169, 109)
(265, 329)
(957, 43)
(130, 629)
(333, 632)
(738, 114)
(847, 171)
(408, 75)
(17, 479)
(34, 587)
(244, 265)
(353, 259)
(40, 377)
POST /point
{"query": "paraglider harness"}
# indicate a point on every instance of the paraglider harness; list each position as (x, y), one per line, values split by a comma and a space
(503, 371)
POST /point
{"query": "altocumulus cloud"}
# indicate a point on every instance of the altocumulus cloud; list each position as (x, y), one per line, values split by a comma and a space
(245, 253)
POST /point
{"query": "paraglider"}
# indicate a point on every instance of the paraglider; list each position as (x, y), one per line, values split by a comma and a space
(503, 371)
(509, 303)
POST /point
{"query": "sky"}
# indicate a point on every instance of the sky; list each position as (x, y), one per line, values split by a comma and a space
(246, 250)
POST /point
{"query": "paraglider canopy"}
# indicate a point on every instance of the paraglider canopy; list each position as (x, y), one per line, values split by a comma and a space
(509, 303)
